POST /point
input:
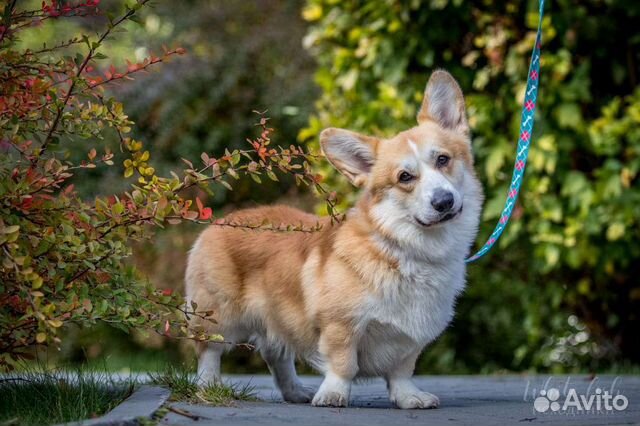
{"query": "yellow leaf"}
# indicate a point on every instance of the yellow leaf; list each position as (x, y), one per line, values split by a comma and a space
(55, 323)
(10, 229)
(312, 12)
(36, 283)
(615, 231)
(41, 337)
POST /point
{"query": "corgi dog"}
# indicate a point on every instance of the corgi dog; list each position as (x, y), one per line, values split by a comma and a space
(363, 297)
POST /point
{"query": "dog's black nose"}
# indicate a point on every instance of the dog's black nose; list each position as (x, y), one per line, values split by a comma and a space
(442, 200)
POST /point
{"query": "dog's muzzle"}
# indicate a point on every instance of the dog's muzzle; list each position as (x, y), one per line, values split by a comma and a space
(444, 218)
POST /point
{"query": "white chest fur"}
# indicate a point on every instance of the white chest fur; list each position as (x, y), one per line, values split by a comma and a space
(408, 313)
(420, 303)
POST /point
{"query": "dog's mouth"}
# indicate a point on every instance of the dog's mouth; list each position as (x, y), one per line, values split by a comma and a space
(445, 218)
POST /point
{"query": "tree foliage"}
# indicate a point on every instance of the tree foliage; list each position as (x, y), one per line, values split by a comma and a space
(559, 292)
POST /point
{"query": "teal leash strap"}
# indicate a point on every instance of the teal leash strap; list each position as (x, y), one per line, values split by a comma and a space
(526, 129)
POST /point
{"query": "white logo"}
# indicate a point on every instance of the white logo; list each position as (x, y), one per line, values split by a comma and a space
(551, 400)
(547, 400)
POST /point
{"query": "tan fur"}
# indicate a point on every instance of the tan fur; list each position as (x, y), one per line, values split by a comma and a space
(307, 293)
(259, 273)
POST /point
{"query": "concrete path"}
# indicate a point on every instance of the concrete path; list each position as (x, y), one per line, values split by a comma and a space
(465, 400)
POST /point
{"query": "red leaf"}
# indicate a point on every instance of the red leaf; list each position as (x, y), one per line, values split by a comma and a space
(206, 213)
(167, 292)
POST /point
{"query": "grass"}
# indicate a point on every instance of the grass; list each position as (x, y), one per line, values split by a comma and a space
(39, 397)
(184, 387)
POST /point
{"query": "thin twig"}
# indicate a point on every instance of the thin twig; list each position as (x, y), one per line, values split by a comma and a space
(185, 413)
(90, 55)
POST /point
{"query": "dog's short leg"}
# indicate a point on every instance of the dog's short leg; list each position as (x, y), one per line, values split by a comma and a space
(338, 347)
(403, 392)
(282, 366)
(209, 355)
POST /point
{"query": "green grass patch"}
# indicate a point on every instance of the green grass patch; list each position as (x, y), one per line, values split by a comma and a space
(184, 387)
(38, 397)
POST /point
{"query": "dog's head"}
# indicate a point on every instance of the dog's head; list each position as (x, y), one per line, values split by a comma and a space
(418, 178)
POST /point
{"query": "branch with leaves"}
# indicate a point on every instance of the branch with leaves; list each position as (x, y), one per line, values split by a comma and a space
(63, 258)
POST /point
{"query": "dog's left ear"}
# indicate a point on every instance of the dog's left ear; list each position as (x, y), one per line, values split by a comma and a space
(443, 103)
(351, 153)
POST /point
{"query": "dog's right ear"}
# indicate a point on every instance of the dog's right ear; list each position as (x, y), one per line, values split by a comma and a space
(351, 153)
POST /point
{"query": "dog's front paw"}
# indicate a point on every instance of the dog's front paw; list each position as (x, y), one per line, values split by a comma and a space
(298, 395)
(416, 400)
(334, 392)
(330, 399)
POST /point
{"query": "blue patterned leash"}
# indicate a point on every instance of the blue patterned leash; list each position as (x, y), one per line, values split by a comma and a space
(526, 129)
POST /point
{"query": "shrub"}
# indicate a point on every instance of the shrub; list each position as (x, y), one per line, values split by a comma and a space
(63, 256)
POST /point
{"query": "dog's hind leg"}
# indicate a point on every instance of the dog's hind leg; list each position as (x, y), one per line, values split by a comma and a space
(281, 363)
(209, 355)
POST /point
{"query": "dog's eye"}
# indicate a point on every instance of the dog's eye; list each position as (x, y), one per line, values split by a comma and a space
(442, 160)
(405, 177)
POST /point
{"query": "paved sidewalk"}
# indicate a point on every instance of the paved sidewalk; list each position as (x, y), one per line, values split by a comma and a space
(477, 400)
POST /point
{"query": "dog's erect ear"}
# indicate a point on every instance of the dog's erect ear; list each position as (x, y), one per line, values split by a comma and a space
(443, 103)
(351, 153)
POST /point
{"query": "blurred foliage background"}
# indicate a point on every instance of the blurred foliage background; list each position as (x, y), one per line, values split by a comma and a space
(560, 293)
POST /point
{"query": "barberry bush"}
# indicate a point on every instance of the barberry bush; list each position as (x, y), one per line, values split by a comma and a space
(64, 257)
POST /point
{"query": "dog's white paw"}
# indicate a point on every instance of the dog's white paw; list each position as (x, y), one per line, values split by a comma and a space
(298, 395)
(334, 392)
(416, 400)
(330, 399)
